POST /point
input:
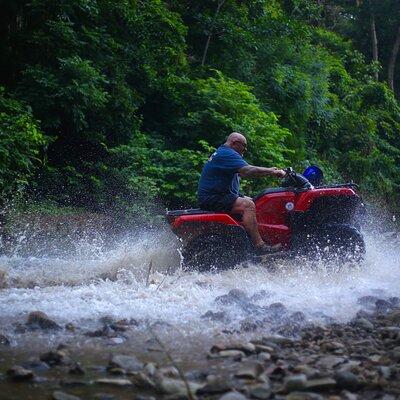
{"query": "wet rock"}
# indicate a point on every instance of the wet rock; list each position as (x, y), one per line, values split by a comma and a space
(295, 382)
(236, 355)
(277, 340)
(262, 294)
(297, 317)
(394, 301)
(321, 384)
(219, 316)
(4, 341)
(260, 391)
(120, 326)
(348, 395)
(141, 380)
(150, 369)
(250, 325)
(246, 347)
(39, 320)
(394, 317)
(117, 340)
(233, 396)
(127, 363)
(70, 327)
(57, 395)
(309, 372)
(105, 331)
(249, 371)
(105, 396)
(383, 306)
(367, 301)
(234, 296)
(58, 357)
(169, 372)
(177, 387)
(263, 357)
(214, 385)
(18, 373)
(347, 380)
(114, 382)
(363, 324)
(304, 396)
(329, 362)
(277, 309)
(76, 369)
(36, 365)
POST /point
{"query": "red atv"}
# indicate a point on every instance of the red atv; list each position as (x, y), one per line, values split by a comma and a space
(305, 219)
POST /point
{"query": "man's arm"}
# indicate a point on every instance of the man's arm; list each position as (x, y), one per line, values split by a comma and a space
(251, 171)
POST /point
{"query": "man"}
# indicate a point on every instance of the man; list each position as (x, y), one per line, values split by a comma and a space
(219, 185)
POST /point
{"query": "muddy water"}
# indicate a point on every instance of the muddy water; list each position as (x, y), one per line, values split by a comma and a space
(101, 279)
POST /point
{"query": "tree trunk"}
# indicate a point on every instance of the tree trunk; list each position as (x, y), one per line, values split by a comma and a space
(392, 60)
(220, 4)
(374, 38)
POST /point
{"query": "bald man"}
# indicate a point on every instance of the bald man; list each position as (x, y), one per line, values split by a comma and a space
(219, 185)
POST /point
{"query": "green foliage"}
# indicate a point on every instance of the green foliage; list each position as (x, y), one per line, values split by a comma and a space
(20, 144)
(136, 94)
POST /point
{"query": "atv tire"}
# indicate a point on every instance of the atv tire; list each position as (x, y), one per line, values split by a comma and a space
(217, 251)
(333, 242)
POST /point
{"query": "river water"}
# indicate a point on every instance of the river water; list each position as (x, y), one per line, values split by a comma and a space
(99, 278)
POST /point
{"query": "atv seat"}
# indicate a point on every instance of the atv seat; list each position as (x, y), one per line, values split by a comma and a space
(196, 211)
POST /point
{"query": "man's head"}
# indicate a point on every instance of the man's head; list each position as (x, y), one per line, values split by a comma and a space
(237, 142)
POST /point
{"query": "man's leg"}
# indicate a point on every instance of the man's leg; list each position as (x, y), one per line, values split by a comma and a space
(246, 207)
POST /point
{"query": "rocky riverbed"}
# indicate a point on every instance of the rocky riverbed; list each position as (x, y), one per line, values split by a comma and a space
(297, 361)
(121, 320)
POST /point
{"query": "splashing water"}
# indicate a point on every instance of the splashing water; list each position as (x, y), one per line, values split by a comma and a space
(115, 280)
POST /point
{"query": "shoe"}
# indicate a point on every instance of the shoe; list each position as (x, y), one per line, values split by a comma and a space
(267, 249)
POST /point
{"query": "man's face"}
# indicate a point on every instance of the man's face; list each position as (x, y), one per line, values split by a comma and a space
(240, 145)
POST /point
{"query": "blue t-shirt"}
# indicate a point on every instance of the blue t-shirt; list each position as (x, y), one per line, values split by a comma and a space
(220, 173)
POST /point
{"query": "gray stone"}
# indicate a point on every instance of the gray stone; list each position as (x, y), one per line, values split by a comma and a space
(141, 380)
(39, 320)
(383, 306)
(277, 340)
(304, 396)
(249, 371)
(234, 395)
(295, 382)
(105, 396)
(114, 382)
(18, 373)
(260, 391)
(4, 341)
(263, 357)
(128, 363)
(219, 316)
(177, 387)
(329, 362)
(363, 324)
(235, 354)
(347, 380)
(247, 348)
(321, 384)
(234, 296)
(214, 385)
(58, 357)
(57, 395)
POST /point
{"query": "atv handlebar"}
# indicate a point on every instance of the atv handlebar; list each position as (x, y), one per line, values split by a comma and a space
(293, 179)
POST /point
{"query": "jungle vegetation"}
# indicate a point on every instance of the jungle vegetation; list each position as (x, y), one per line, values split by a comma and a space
(112, 105)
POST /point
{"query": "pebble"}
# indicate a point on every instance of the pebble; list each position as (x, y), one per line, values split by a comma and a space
(18, 373)
(127, 363)
(295, 382)
(176, 386)
(4, 341)
(363, 324)
(321, 384)
(249, 371)
(114, 382)
(304, 396)
(40, 320)
(347, 380)
(57, 395)
(260, 391)
(234, 395)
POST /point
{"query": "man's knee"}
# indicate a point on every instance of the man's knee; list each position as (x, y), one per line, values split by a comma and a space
(244, 204)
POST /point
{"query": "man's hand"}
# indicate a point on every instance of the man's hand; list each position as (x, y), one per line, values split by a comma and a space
(279, 173)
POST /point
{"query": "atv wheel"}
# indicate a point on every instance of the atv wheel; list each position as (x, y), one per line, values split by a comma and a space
(335, 242)
(218, 251)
